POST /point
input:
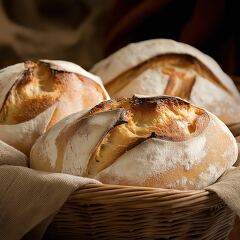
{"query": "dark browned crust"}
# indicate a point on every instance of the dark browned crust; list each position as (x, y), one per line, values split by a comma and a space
(136, 107)
(153, 104)
(146, 104)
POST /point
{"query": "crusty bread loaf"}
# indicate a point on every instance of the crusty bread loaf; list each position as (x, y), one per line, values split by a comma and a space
(157, 142)
(162, 66)
(36, 95)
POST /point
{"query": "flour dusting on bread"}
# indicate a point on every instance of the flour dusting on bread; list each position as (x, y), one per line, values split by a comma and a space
(141, 141)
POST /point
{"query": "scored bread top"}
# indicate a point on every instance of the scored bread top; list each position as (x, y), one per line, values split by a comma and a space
(165, 142)
(171, 71)
(160, 117)
(145, 141)
(133, 120)
(35, 86)
(163, 116)
(136, 53)
(181, 71)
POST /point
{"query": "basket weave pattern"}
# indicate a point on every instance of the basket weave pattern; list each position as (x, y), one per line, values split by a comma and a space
(124, 212)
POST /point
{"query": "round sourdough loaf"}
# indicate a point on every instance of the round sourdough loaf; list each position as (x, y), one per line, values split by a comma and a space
(36, 95)
(156, 142)
(166, 67)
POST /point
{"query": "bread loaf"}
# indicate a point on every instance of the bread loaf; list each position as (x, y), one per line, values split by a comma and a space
(36, 95)
(165, 67)
(155, 142)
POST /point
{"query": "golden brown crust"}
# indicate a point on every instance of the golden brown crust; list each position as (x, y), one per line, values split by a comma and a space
(40, 87)
(177, 66)
(155, 108)
(159, 117)
(158, 142)
(192, 164)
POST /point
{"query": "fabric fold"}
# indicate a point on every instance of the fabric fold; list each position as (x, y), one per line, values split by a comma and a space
(228, 189)
(30, 197)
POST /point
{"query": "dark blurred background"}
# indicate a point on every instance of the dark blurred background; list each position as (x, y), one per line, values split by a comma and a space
(84, 31)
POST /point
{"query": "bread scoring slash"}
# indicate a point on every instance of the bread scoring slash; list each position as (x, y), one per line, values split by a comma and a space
(141, 141)
(166, 67)
(36, 95)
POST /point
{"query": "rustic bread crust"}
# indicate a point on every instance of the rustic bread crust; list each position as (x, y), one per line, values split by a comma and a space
(136, 53)
(165, 67)
(28, 90)
(168, 141)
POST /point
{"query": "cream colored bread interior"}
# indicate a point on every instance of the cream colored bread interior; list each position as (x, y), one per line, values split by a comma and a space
(182, 70)
(164, 118)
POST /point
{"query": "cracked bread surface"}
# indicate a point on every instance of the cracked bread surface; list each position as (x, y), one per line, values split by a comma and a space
(143, 141)
(40, 86)
(36, 95)
(166, 67)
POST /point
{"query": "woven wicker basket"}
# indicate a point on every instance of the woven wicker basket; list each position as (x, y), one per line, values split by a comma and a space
(124, 212)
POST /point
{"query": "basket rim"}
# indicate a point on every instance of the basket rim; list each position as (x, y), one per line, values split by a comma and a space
(136, 197)
(139, 190)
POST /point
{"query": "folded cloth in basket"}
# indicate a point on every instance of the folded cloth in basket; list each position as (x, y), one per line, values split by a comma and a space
(228, 189)
(30, 199)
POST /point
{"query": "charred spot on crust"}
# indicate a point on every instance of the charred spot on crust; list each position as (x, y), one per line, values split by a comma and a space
(102, 106)
(122, 119)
